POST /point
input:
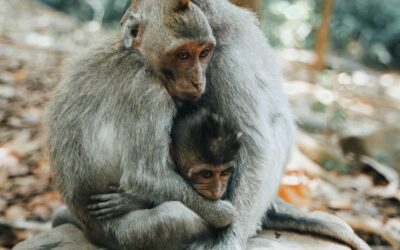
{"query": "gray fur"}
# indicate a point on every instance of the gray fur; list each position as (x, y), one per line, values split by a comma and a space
(245, 85)
(202, 137)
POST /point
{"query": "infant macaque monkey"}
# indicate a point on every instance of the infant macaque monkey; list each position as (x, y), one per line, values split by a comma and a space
(204, 147)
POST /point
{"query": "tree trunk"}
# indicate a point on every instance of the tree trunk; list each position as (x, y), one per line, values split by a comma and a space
(322, 36)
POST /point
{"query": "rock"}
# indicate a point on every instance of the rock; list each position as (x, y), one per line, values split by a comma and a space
(67, 237)
(274, 240)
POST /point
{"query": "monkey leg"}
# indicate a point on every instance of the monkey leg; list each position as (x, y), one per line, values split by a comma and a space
(283, 216)
(170, 225)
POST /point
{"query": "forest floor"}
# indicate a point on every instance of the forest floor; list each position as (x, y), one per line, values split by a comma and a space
(346, 161)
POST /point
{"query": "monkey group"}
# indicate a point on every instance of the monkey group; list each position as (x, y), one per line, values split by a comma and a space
(174, 134)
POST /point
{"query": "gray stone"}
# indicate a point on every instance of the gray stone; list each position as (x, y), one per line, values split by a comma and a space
(274, 240)
(65, 237)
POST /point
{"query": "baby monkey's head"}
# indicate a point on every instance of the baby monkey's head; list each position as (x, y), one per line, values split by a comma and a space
(204, 147)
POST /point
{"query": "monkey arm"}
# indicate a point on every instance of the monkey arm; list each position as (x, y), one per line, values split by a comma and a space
(147, 168)
(172, 187)
(283, 216)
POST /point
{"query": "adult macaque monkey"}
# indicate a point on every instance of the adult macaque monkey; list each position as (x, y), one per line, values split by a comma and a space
(110, 120)
(245, 85)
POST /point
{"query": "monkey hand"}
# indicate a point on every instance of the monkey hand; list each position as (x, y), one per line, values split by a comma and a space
(113, 204)
(223, 214)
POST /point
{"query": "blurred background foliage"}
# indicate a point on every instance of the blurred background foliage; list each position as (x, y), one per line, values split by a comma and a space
(365, 30)
(107, 12)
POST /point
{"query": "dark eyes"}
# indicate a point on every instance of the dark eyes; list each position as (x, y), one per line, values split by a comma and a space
(204, 53)
(206, 174)
(183, 55)
(226, 172)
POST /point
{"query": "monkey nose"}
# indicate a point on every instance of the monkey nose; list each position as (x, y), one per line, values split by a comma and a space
(197, 85)
(216, 193)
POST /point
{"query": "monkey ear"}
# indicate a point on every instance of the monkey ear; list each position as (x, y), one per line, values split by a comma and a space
(132, 8)
(182, 5)
(132, 29)
(125, 16)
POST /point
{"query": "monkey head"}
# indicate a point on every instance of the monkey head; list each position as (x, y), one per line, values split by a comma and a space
(176, 42)
(205, 146)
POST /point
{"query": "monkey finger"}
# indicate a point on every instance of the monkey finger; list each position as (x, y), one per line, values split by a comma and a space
(105, 211)
(102, 205)
(111, 215)
(101, 212)
(107, 216)
(104, 197)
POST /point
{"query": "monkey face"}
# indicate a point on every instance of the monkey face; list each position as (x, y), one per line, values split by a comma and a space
(184, 69)
(210, 181)
(177, 46)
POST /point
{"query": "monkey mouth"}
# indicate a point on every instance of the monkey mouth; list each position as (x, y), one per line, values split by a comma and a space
(191, 96)
(212, 197)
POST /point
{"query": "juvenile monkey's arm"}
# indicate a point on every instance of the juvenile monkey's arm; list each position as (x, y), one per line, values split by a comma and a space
(170, 186)
(115, 203)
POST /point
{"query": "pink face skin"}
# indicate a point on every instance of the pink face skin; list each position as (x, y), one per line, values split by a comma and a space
(210, 181)
(184, 70)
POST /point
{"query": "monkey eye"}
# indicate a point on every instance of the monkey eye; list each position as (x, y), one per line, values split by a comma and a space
(206, 174)
(183, 55)
(226, 172)
(204, 53)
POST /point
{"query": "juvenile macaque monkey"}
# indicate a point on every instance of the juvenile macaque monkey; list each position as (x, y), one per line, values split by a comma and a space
(204, 147)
